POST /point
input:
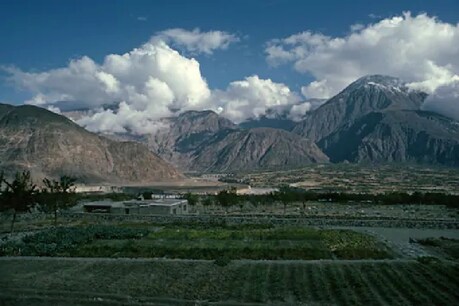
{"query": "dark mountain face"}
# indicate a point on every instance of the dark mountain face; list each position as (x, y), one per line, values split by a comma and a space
(48, 144)
(204, 141)
(368, 94)
(378, 119)
(258, 148)
(396, 136)
(182, 135)
(276, 123)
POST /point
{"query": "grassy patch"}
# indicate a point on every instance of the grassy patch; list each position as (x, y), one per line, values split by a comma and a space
(199, 243)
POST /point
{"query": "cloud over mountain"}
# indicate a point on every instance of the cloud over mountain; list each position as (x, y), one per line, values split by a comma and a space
(148, 83)
(153, 79)
(252, 97)
(419, 49)
(445, 100)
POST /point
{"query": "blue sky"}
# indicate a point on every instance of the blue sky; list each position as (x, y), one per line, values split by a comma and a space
(40, 35)
(238, 58)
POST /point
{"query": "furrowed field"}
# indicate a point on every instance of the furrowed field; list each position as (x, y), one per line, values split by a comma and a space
(170, 282)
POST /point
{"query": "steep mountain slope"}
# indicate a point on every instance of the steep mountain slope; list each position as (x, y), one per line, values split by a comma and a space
(367, 94)
(182, 135)
(378, 119)
(258, 148)
(52, 145)
(205, 141)
(396, 136)
(278, 122)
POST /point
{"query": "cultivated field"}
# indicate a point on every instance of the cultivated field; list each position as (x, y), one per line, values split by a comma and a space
(199, 242)
(43, 281)
(360, 178)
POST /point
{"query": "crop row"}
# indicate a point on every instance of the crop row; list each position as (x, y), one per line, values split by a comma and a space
(349, 284)
(316, 283)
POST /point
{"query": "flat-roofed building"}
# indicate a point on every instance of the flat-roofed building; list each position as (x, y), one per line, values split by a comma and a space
(157, 207)
(141, 207)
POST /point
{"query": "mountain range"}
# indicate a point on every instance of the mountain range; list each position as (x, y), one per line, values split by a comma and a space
(204, 141)
(376, 119)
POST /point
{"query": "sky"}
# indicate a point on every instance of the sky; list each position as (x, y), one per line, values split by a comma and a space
(240, 58)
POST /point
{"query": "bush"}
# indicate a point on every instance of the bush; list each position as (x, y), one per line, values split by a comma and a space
(222, 261)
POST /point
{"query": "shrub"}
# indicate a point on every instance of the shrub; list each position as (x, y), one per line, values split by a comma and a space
(222, 261)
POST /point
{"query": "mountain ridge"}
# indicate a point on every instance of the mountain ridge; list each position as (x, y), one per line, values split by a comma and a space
(196, 141)
(365, 95)
(49, 144)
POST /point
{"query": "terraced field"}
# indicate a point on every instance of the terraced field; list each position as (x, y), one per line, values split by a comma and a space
(73, 281)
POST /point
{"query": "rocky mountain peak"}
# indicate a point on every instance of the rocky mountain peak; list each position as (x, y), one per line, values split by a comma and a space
(378, 80)
(192, 122)
(373, 93)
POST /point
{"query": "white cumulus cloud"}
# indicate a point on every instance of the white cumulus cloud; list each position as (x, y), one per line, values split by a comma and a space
(153, 81)
(252, 97)
(130, 92)
(445, 100)
(299, 110)
(421, 50)
(196, 41)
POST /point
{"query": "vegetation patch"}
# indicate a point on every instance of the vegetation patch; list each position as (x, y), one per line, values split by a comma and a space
(200, 242)
(64, 241)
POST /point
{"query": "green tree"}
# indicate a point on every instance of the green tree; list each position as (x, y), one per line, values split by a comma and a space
(227, 198)
(147, 195)
(58, 195)
(286, 195)
(20, 195)
(207, 202)
(191, 198)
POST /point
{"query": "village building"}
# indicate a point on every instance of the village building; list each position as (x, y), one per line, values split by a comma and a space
(140, 207)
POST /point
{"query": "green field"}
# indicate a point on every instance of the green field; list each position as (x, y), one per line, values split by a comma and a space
(199, 242)
(174, 282)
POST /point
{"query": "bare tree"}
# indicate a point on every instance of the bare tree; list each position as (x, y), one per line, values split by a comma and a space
(58, 195)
